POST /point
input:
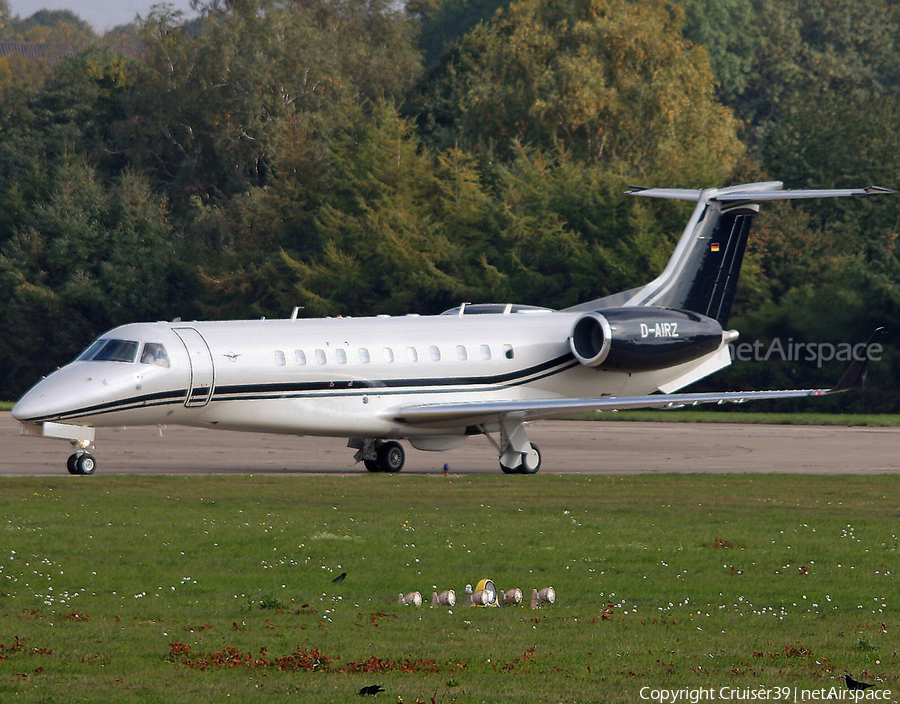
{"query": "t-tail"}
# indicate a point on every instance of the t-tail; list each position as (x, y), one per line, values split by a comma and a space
(703, 272)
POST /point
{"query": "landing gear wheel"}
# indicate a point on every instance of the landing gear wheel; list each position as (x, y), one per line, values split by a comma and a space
(86, 464)
(372, 465)
(391, 456)
(70, 463)
(531, 461)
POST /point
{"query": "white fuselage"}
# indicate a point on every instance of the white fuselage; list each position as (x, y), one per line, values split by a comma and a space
(331, 377)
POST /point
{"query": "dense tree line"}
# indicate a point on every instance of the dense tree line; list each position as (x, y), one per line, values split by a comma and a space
(354, 158)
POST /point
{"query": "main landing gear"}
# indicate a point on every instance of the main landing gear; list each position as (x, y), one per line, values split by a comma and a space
(518, 455)
(81, 463)
(378, 455)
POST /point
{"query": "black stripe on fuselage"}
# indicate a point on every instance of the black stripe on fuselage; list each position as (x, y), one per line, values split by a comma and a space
(161, 398)
(355, 388)
(330, 389)
(384, 385)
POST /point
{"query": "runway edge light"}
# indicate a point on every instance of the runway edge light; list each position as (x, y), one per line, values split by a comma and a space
(411, 599)
(445, 598)
(547, 595)
(512, 597)
(484, 594)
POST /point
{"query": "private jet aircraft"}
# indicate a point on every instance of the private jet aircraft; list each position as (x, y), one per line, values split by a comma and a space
(482, 369)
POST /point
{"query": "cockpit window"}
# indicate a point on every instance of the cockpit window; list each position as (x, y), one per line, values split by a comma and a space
(111, 351)
(154, 353)
(89, 353)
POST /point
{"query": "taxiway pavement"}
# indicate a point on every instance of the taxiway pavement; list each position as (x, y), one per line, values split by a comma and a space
(588, 447)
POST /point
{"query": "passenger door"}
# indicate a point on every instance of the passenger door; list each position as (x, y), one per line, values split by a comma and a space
(203, 373)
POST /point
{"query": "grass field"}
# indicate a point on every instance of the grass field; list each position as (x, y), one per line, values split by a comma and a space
(220, 588)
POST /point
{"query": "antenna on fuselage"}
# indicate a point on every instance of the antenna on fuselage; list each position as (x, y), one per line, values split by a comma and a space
(296, 310)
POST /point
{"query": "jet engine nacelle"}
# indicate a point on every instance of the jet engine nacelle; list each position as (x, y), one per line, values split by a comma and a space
(637, 339)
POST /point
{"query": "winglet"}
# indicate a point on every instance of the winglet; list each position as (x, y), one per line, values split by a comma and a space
(854, 374)
(878, 190)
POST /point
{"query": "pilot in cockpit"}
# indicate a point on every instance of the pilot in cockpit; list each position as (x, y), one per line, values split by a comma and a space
(155, 353)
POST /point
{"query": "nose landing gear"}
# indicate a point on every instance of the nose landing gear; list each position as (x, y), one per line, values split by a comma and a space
(81, 438)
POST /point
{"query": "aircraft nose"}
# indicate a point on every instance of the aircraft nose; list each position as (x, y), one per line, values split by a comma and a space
(62, 392)
(37, 404)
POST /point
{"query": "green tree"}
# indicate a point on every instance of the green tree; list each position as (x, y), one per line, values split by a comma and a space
(212, 99)
(62, 29)
(443, 22)
(84, 259)
(727, 30)
(764, 52)
(383, 251)
(607, 80)
(57, 27)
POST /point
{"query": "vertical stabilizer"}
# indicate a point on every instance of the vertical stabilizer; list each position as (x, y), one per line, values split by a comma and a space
(703, 272)
(703, 277)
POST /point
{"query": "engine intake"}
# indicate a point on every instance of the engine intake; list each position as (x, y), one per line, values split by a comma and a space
(637, 339)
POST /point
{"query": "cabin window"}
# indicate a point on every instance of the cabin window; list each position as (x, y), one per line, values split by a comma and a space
(341, 355)
(300, 357)
(364, 355)
(485, 351)
(435, 353)
(388, 355)
(412, 354)
(509, 352)
(461, 353)
(279, 358)
(155, 353)
(111, 351)
(320, 357)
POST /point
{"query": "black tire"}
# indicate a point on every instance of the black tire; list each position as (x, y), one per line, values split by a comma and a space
(71, 464)
(509, 470)
(372, 465)
(86, 464)
(391, 456)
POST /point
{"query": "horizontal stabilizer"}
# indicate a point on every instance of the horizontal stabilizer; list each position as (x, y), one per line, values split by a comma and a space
(815, 193)
(752, 192)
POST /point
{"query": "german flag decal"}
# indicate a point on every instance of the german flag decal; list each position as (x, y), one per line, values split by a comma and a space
(714, 247)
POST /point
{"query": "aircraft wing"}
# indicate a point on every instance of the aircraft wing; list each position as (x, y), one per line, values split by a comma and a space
(479, 412)
(476, 413)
